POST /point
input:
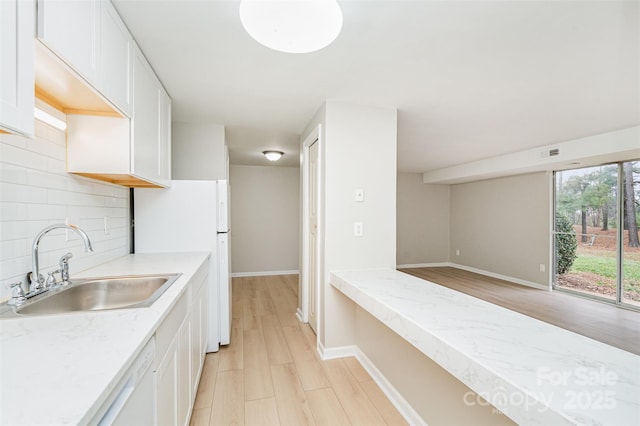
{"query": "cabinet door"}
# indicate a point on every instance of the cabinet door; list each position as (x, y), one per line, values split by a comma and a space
(16, 66)
(183, 395)
(71, 29)
(196, 351)
(165, 138)
(166, 386)
(204, 317)
(116, 58)
(146, 120)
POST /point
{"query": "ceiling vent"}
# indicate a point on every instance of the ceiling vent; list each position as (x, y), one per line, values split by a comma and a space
(550, 153)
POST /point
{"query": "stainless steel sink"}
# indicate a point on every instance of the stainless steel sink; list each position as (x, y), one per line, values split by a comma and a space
(96, 294)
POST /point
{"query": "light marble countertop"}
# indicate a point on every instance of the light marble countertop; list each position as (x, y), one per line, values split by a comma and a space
(59, 369)
(534, 372)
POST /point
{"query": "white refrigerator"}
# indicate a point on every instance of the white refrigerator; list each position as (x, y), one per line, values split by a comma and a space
(186, 217)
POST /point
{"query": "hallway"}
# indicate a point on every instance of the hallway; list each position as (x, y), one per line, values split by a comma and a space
(271, 374)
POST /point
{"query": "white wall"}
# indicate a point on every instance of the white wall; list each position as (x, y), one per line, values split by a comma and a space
(36, 191)
(265, 218)
(422, 221)
(198, 152)
(358, 150)
(593, 150)
(503, 226)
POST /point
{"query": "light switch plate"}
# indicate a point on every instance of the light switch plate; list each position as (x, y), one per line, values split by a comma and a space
(358, 195)
(358, 229)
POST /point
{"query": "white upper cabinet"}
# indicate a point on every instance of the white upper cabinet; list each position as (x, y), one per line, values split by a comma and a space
(165, 138)
(146, 119)
(116, 59)
(151, 124)
(16, 66)
(71, 29)
(134, 152)
(91, 39)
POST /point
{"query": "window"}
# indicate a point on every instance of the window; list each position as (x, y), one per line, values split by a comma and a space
(597, 252)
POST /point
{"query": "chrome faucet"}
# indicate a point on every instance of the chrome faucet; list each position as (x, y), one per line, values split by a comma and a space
(37, 281)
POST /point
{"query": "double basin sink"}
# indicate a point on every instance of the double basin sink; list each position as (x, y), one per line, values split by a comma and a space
(97, 294)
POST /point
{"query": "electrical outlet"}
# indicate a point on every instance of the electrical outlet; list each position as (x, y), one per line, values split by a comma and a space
(358, 195)
(457, 252)
(107, 226)
(543, 268)
(358, 229)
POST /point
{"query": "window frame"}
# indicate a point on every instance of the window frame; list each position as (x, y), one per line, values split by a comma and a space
(618, 301)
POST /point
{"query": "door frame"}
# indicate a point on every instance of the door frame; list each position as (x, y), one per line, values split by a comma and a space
(315, 136)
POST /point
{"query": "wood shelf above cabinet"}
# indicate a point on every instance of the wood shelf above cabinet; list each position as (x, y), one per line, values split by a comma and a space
(61, 87)
(120, 179)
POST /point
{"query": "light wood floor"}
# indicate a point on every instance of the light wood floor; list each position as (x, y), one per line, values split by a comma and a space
(271, 374)
(599, 321)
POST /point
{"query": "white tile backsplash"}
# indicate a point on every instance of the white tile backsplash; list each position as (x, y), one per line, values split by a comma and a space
(36, 191)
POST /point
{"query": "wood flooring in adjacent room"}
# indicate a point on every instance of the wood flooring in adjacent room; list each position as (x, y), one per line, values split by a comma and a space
(271, 374)
(600, 321)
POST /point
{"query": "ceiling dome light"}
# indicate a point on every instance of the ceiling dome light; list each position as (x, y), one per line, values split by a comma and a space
(292, 26)
(273, 155)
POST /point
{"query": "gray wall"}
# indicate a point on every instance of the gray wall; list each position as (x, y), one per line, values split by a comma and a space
(198, 152)
(422, 221)
(503, 226)
(265, 203)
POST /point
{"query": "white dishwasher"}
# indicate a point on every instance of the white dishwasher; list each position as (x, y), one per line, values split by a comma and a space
(132, 402)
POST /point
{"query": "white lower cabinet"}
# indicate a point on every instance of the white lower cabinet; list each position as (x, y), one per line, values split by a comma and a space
(184, 395)
(166, 388)
(180, 351)
(199, 334)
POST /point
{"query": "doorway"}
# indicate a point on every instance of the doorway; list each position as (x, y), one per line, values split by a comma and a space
(313, 235)
(311, 265)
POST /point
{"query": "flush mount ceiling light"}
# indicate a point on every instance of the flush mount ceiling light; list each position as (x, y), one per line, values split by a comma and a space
(292, 26)
(273, 155)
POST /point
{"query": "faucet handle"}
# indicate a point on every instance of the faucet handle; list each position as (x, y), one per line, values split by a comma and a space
(17, 294)
(64, 268)
(65, 259)
(51, 279)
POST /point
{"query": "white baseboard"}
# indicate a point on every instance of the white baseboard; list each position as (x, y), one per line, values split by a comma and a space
(398, 401)
(336, 352)
(263, 273)
(477, 271)
(424, 265)
(500, 276)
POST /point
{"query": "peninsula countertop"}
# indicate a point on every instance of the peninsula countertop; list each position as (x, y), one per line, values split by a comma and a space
(59, 369)
(534, 372)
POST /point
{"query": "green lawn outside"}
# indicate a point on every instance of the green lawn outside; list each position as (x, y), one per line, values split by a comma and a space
(606, 267)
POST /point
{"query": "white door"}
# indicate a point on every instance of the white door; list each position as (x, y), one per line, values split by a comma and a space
(313, 235)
